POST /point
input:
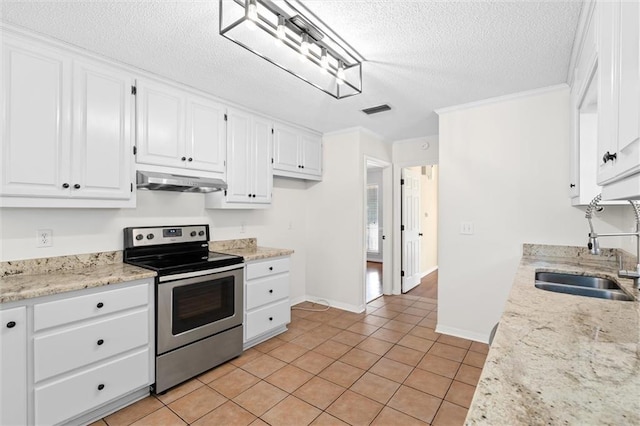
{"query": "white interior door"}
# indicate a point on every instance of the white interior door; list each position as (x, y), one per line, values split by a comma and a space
(410, 230)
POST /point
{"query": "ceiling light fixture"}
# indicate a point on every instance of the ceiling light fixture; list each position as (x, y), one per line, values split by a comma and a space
(324, 59)
(252, 10)
(280, 32)
(304, 45)
(291, 24)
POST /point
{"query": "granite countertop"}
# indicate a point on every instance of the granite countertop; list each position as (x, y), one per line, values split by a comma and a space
(26, 279)
(559, 358)
(247, 248)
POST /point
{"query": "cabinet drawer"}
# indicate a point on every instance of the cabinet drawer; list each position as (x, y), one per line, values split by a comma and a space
(78, 308)
(264, 319)
(81, 392)
(267, 290)
(60, 352)
(265, 268)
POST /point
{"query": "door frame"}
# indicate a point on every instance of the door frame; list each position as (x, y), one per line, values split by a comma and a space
(387, 224)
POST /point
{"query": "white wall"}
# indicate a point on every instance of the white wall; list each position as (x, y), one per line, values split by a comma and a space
(95, 230)
(335, 219)
(416, 152)
(504, 166)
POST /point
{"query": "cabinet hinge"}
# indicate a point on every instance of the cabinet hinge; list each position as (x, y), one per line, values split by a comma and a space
(135, 150)
(134, 90)
(402, 273)
(272, 161)
(225, 192)
(131, 186)
(401, 181)
(271, 131)
(225, 117)
(402, 227)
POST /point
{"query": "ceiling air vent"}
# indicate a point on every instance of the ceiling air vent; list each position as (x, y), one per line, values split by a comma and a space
(376, 109)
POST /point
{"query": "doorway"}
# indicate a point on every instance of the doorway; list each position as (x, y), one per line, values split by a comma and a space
(419, 224)
(377, 211)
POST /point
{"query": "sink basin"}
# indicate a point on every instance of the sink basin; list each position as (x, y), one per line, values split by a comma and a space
(581, 285)
(576, 280)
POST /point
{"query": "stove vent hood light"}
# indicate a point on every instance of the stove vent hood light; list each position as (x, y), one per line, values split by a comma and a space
(154, 181)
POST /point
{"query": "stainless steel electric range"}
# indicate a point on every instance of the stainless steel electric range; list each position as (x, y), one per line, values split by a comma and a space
(198, 299)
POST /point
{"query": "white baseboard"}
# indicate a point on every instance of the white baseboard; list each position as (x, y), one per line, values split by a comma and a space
(332, 303)
(428, 271)
(465, 334)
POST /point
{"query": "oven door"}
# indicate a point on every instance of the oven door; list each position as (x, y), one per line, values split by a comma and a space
(190, 309)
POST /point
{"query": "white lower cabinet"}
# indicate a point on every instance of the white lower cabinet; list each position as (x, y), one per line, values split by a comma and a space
(267, 305)
(91, 353)
(60, 400)
(91, 343)
(13, 366)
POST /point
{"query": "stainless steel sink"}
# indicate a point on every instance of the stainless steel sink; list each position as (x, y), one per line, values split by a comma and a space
(581, 285)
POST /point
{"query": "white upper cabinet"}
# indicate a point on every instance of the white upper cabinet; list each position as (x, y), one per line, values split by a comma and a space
(297, 153)
(179, 130)
(160, 125)
(619, 98)
(249, 163)
(101, 150)
(205, 134)
(36, 144)
(66, 139)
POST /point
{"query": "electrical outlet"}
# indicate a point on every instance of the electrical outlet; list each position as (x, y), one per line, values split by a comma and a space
(44, 238)
(466, 228)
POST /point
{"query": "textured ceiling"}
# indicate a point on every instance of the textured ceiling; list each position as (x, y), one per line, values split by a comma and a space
(420, 55)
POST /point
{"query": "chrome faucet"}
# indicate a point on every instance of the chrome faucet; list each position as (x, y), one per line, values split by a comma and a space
(594, 246)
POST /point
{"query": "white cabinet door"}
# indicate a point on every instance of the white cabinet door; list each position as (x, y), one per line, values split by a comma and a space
(101, 145)
(205, 135)
(160, 125)
(285, 149)
(311, 154)
(238, 154)
(629, 101)
(619, 91)
(249, 168)
(13, 366)
(36, 123)
(262, 176)
(297, 153)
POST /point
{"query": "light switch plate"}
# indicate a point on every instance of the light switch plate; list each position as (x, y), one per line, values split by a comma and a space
(466, 228)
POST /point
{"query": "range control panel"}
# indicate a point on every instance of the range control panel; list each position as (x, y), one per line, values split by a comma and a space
(153, 236)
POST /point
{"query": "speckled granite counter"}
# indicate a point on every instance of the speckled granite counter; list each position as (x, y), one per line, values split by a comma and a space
(25, 279)
(247, 248)
(558, 358)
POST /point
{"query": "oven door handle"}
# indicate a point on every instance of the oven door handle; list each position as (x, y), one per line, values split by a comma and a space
(193, 274)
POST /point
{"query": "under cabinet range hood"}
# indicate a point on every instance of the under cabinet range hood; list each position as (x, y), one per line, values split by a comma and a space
(155, 181)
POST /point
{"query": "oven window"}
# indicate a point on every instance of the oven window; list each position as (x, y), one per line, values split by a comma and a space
(195, 305)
